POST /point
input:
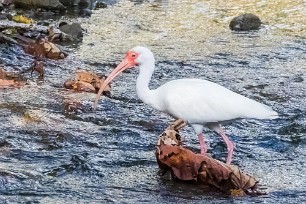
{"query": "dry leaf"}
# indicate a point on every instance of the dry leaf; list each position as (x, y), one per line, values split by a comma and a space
(186, 165)
(91, 78)
(87, 81)
(4, 82)
(83, 86)
(52, 51)
(38, 66)
(42, 48)
(8, 79)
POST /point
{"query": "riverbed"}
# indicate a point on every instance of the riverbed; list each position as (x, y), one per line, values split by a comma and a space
(51, 155)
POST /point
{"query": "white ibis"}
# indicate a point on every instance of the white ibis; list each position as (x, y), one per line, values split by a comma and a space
(198, 102)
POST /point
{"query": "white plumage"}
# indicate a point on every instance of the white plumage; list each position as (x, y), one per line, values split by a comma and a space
(201, 101)
(198, 102)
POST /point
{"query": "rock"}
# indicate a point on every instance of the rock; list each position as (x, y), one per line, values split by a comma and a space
(43, 23)
(46, 4)
(2, 16)
(298, 79)
(75, 30)
(6, 2)
(45, 14)
(98, 5)
(85, 12)
(71, 3)
(245, 22)
(83, 4)
(67, 2)
(1, 7)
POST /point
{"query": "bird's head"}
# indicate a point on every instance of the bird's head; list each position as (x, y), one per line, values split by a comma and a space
(136, 56)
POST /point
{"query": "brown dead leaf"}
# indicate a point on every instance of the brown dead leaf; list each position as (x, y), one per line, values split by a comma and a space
(83, 86)
(7, 75)
(186, 165)
(38, 66)
(11, 83)
(8, 80)
(237, 192)
(52, 51)
(169, 137)
(72, 106)
(87, 81)
(91, 78)
(42, 48)
(4, 82)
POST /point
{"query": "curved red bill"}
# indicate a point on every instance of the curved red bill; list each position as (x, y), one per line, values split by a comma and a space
(125, 64)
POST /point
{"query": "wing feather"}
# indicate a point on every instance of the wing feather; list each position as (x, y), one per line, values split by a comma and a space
(202, 101)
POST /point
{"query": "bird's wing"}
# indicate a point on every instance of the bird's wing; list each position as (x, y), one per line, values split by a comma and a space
(201, 101)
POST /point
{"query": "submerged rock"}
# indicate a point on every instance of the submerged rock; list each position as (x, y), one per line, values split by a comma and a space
(245, 22)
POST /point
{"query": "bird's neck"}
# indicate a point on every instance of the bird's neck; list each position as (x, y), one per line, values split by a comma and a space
(142, 85)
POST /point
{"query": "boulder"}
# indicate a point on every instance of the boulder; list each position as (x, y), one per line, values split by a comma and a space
(46, 4)
(75, 30)
(245, 22)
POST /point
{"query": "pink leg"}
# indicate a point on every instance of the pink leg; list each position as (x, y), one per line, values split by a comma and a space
(230, 147)
(202, 143)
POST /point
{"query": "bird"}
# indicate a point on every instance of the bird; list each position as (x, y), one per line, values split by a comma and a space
(198, 102)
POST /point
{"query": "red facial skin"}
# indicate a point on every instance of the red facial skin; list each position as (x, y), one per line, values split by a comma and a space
(127, 62)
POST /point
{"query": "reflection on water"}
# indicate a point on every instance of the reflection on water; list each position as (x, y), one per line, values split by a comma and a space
(49, 155)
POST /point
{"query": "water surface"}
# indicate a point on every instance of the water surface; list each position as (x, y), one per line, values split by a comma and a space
(51, 155)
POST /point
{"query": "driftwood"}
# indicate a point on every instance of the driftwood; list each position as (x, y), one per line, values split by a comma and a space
(185, 165)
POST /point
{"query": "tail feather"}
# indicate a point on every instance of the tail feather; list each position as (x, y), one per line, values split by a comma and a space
(274, 115)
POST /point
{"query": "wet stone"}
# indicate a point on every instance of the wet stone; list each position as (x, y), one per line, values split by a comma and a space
(47, 4)
(98, 5)
(85, 12)
(245, 22)
(74, 29)
(298, 79)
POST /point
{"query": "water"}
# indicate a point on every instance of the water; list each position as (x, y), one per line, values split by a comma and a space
(51, 155)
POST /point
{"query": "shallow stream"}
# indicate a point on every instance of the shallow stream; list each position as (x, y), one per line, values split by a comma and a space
(50, 155)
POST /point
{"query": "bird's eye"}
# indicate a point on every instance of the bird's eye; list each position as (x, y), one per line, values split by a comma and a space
(133, 55)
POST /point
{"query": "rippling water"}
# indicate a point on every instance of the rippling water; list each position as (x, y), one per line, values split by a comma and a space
(51, 155)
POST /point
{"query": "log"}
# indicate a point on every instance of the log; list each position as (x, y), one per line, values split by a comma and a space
(185, 165)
